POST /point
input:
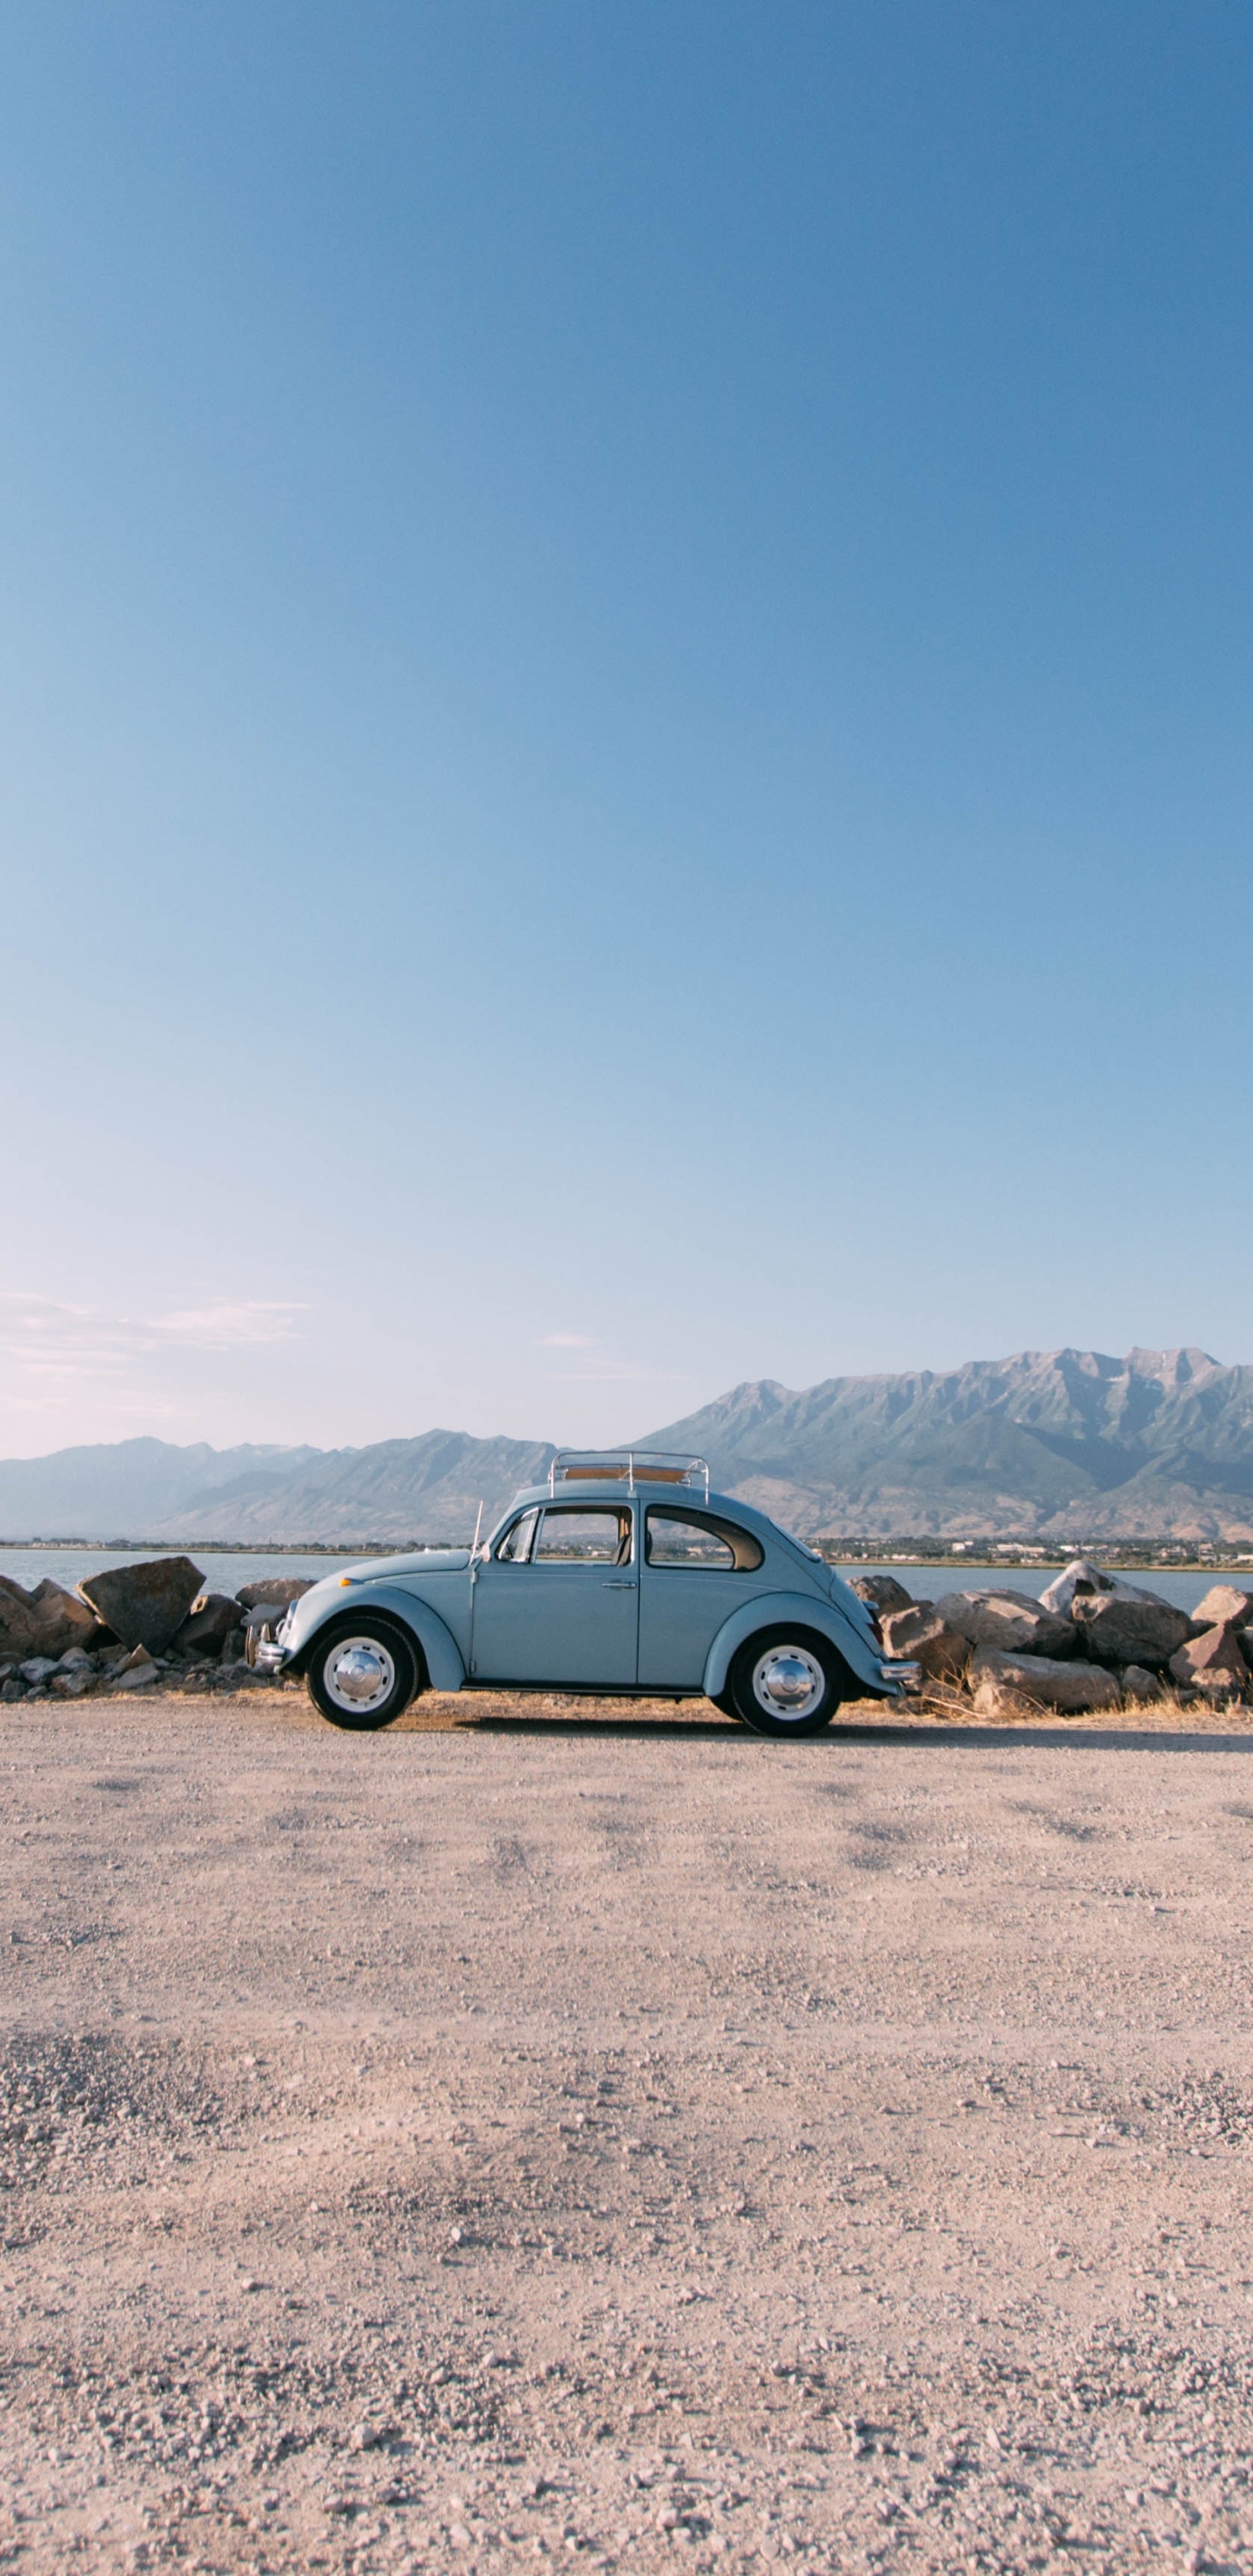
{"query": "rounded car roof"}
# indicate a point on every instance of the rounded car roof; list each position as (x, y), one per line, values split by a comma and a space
(614, 1490)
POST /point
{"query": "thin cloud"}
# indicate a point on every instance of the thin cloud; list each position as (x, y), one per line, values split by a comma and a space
(224, 1327)
(57, 1358)
(568, 1342)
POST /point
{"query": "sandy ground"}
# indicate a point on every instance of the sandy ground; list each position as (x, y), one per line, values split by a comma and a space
(622, 2144)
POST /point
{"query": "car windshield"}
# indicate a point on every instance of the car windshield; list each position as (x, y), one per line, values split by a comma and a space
(515, 1546)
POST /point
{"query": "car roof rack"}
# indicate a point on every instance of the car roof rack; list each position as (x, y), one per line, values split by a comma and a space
(629, 1467)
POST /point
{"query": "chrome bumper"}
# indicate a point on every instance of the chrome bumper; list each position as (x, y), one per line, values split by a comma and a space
(900, 1676)
(265, 1653)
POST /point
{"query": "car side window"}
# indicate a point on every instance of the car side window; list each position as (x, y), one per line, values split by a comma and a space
(568, 1536)
(699, 1542)
(515, 1546)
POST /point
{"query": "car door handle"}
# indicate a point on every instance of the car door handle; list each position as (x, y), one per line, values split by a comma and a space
(620, 1583)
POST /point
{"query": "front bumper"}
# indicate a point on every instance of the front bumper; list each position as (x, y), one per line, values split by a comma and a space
(899, 1676)
(265, 1653)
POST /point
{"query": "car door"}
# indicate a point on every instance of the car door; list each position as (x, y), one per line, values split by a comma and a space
(558, 1599)
(697, 1568)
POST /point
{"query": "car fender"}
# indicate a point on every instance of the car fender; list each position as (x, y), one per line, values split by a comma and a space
(785, 1609)
(439, 1646)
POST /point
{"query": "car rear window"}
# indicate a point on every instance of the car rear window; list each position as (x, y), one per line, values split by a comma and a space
(699, 1542)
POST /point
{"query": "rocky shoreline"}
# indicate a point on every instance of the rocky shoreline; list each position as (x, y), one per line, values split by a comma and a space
(1090, 1642)
(133, 1626)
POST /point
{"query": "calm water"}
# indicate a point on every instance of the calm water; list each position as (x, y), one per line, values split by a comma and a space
(68, 1565)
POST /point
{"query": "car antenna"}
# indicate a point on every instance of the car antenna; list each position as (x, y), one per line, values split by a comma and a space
(474, 1543)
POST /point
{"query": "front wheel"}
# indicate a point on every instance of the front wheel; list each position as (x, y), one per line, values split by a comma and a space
(786, 1682)
(364, 1674)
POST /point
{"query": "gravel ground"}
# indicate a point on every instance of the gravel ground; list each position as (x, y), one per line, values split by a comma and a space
(622, 2143)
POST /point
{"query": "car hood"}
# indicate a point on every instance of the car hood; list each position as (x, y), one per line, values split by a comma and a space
(419, 1560)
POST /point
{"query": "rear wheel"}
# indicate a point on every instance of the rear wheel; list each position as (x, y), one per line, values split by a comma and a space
(786, 1681)
(364, 1673)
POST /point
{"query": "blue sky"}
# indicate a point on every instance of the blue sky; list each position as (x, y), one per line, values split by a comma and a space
(626, 755)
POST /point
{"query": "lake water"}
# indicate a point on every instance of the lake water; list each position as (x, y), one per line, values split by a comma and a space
(68, 1565)
(1184, 1585)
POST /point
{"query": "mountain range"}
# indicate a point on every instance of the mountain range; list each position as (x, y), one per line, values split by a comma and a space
(1049, 1445)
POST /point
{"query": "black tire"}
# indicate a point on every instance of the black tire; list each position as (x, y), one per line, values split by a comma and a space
(802, 1652)
(400, 1672)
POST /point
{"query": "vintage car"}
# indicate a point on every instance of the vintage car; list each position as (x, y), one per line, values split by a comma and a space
(622, 1575)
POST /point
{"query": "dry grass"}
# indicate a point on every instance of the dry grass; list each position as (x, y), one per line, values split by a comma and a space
(468, 1712)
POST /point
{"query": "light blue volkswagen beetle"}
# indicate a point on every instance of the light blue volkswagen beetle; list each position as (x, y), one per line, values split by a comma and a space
(622, 1575)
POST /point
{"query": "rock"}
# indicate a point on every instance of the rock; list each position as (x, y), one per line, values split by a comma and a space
(1014, 1622)
(145, 1605)
(280, 1589)
(265, 1614)
(75, 1659)
(18, 1622)
(1211, 1663)
(42, 1622)
(1129, 1628)
(63, 1619)
(1079, 1576)
(1000, 1682)
(233, 1647)
(75, 1683)
(212, 1618)
(921, 1633)
(1223, 1607)
(1139, 1683)
(136, 1673)
(38, 1668)
(881, 1593)
(11, 1688)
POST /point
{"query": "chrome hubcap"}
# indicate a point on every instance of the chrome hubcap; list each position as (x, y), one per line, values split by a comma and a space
(359, 1674)
(788, 1682)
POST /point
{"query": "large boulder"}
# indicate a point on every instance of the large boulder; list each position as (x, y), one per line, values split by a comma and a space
(1002, 1682)
(1014, 1622)
(1224, 1606)
(145, 1605)
(920, 1633)
(276, 1591)
(63, 1619)
(46, 1621)
(214, 1617)
(1211, 1663)
(1081, 1577)
(17, 1618)
(1129, 1628)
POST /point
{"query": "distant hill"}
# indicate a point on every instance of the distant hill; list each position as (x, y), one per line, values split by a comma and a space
(1048, 1445)
(126, 1488)
(429, 1487)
